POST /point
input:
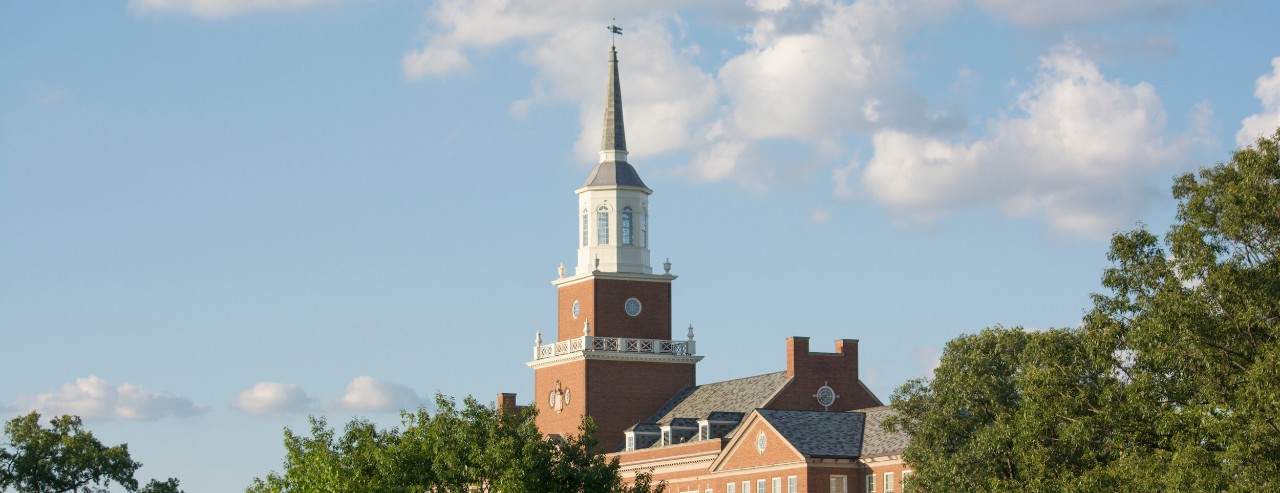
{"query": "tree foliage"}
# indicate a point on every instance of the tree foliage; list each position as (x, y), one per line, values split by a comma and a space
(1171, 384)
(474, 448)
(62, 458)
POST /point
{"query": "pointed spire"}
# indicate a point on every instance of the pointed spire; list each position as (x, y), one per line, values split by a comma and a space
(613, 144)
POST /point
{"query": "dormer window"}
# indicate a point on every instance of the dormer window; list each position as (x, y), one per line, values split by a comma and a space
(602, 226)
(626, 225)
(584, 227)
(631, 441)
(704, 430)
(666, 437)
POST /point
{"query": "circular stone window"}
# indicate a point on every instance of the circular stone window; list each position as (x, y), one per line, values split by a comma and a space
(566, 397)
(577, 309)
(632, 306)
(826, 396)
(761, 442)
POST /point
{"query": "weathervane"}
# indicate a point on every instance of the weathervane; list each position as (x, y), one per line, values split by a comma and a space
(617, 31)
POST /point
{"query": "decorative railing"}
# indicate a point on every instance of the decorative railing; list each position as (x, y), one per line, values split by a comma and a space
(614, 344)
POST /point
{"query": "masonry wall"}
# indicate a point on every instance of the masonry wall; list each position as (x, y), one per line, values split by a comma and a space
(623, 393)
(602, 303)
(810, 370)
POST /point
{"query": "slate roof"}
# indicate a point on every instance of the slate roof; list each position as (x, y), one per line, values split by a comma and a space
(730, 396)
(819, 433)
(613, 173)
(878, 441)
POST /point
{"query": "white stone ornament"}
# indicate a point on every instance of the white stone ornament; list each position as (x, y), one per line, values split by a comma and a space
(761, 442)
(826, 396)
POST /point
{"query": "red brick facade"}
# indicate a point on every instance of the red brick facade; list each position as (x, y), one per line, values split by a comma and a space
(811, 370)
(601, 302)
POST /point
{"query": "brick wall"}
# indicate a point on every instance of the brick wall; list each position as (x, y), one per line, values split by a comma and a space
(810, 370)
(601, 302)
(623, 393)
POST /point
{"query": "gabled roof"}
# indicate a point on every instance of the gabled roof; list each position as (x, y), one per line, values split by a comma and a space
(819, 433)
(730, 396)
(878, 441)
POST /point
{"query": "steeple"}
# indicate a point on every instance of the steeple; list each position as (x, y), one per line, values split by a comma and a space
(613, 143)
(613, 203)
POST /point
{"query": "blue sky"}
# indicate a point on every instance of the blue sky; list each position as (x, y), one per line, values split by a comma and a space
(218, 216)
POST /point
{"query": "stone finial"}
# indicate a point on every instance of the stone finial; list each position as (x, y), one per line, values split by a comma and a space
(537, 338)
(586, 328)
(666, 266)
(597, 266)
(561, 270)
(690, 332)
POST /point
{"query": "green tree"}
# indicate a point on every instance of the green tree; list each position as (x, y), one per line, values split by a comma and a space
(472, 448)
(168, 486)
(62, 458)
(1171, 384)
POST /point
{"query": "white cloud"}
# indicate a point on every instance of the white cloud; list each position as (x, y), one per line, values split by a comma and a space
(216, 9)
(1267, 90)
(367, 394)
(820, 215)
(927, 359)
(1041, 13)
(1081, 152)
(93, 397)
(269, 398)
(808, 71)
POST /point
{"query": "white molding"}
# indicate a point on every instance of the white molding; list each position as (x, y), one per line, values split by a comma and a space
(611, 356)
(618, 276)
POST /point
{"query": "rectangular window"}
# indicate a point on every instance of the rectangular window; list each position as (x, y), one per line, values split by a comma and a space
(888, 482)
(584, 228)
(631, 442)
(602, 228)
(839, 484)
(777, 485)
(644, 228)
(730, 488)
(746, 487)
(905, 483)
(626, 226)
(791, 484)
(871, 483)
(760, 486)
(709, 490)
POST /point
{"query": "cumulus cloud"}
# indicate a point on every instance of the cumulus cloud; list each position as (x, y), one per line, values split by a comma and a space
(93, 397)
(272, 398)
(808, 71)
(1041, 13)
(216, 9)
(367, 394)
(1267, 90)
(1080, 150)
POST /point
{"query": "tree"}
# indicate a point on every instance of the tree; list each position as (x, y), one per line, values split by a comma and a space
(62, 458)
(168, 486)
(475, 448)
(1171, 384)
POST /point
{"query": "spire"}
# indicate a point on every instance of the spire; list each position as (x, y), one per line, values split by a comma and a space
(613, 143)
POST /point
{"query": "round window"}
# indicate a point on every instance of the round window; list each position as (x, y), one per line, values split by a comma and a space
(577, 308)
(632, 306)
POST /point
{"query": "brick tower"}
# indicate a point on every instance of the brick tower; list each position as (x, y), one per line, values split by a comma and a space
(613, 357)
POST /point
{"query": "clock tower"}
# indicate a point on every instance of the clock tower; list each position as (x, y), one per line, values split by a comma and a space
(613, 356)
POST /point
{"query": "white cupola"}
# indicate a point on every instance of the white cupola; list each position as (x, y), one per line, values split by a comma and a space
(613, 204)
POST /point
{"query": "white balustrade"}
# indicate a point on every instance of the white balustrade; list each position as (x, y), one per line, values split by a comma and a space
(614, 344)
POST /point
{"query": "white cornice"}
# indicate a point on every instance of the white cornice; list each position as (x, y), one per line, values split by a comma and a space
(621, 276)
(612, 356)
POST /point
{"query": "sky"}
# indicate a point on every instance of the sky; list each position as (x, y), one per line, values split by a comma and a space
(218, 217)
